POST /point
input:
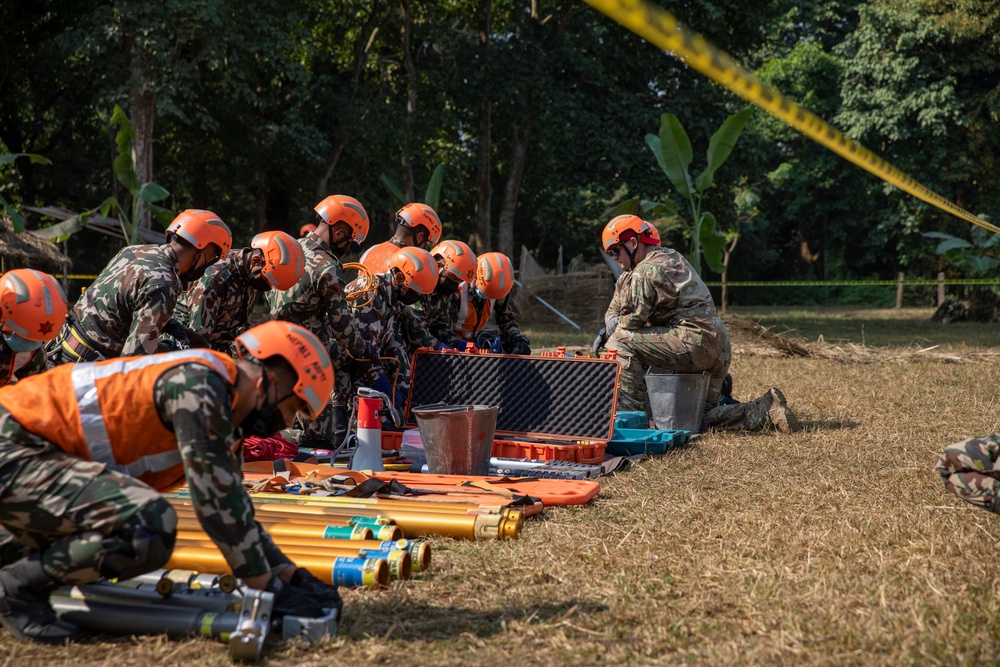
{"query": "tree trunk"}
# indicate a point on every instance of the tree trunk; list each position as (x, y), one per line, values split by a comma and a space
(484, 184)
(508, 208)
(142, 149)
(409, 188)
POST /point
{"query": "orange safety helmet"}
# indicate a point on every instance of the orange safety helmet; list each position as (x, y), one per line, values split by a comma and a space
(341, 208)
(459, 260)
(494, 275)
(199, 228)
(303, 352)
(283, 258)
(628, 223)
(306, 228)
(32, 304)
(413, 215)
(418, 267)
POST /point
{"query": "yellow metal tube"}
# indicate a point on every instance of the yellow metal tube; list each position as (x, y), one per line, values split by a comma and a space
(210, 561)
(413, 523)
(399, 561)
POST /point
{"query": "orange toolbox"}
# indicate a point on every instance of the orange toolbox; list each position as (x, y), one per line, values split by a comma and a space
(552, 408)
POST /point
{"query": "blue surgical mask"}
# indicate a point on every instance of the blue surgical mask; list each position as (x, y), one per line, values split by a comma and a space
(20, 344)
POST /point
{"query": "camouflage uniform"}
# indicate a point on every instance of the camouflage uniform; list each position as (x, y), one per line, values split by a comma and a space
(218, 305)
(970, 470)
(434, 311)
(666, 319)
(78, 512)
(124, 311)
(317, 303)
(394, 329)
(19, 365)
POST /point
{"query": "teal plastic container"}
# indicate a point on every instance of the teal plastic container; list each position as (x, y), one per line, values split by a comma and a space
(629, 419)
(630, 441)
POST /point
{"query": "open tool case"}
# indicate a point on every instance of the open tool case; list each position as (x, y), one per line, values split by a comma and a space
(551, 408)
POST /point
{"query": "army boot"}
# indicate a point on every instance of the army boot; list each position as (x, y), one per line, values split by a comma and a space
(24, 603)
(769, 410)
(772, 409)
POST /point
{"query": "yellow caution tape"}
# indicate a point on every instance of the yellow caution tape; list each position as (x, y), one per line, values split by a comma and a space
(851, 283)
(659, 27)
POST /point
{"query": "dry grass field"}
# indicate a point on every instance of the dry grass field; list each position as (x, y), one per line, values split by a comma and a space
(835, 545)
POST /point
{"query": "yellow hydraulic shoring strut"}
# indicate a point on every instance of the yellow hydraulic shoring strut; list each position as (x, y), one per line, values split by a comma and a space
(660, 28)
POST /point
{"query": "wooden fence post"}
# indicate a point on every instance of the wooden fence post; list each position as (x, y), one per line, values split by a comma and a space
(899, 291)
(940, 288)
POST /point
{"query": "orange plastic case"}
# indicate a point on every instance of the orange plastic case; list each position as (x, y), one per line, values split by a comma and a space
(551, 407)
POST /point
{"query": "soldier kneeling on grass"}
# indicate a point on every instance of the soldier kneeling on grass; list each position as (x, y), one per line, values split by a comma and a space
(662, 315)
(85, 447)
(971, 470)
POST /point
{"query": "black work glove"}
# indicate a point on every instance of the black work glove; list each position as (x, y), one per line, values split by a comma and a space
(521, 346)
(291, 600)
(195, 339)
(611, 325)
(602, 337)
(325, 594)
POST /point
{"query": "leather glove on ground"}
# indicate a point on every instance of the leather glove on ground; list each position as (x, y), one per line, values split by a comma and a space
(291, 600)
(325, 594)
(602, 337)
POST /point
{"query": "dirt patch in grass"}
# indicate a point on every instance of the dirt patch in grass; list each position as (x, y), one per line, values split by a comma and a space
(835, 545)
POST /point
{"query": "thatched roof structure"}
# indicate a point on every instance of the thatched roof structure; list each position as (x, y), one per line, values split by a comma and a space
(28, 251)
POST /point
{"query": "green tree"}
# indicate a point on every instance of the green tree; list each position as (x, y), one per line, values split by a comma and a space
(672, 149)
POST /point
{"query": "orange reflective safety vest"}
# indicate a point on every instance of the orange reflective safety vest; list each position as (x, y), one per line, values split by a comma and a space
(377, 257)
(469, 322)
(104, 411)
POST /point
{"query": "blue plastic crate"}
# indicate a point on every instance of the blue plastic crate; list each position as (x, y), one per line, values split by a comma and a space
(629, 441)
(631, 419)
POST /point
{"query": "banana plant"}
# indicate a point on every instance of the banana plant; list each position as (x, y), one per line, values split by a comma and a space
(15, 216)
(673, 152)
(432, 197)
(144, 195)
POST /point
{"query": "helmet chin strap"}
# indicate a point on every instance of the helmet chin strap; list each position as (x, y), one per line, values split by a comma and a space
(631, 255)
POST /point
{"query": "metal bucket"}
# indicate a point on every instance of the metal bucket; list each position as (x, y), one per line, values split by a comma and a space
(677, 400)
(458, 439)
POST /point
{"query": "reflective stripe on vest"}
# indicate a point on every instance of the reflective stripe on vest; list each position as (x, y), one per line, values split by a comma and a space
(469, 322)
(95, 429)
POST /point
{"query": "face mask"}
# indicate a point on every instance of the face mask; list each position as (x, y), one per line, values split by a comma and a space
(20, 344)
(260, 283)
(408, 296)
(196, 272)
(346, 247)
(263, 422)
(446, 287)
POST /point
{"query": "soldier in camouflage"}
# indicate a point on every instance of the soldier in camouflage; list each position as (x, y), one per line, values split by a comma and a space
(416, 226)
(393, 326)
(490, 292)
(129, 306)
(456, 264)
(970, 469)
(219, 304)
(80, 495)
(662, 315)
(32, 308)
(317, 303)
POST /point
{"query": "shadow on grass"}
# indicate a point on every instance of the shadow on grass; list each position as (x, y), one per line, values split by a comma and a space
(382, 618)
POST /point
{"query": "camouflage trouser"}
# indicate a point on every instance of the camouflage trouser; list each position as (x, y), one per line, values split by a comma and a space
(677, 349)
(74, 512)
(970, 470)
